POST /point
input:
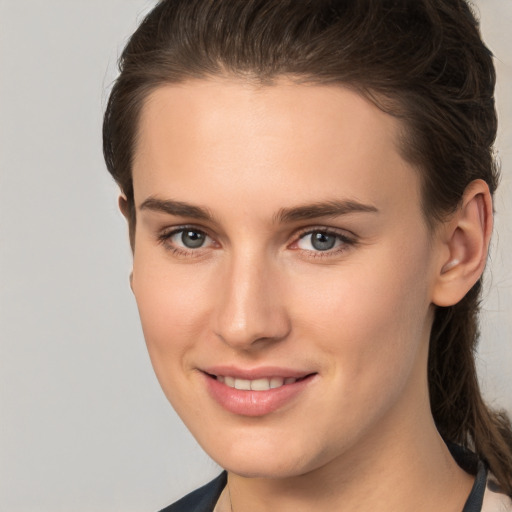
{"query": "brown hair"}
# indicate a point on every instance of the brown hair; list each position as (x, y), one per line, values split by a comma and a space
(422, 61)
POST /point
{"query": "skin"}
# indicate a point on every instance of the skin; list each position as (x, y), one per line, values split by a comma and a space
(259, 293)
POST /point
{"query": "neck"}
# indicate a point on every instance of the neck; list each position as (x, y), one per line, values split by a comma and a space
(390, 470)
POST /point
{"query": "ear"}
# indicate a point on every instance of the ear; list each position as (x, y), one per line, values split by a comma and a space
(465, 241)
(123, 205)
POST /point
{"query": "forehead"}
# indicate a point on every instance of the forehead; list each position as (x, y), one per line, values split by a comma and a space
(233, 137)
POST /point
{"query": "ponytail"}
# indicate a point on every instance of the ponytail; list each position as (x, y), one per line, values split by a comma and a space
(460, 413)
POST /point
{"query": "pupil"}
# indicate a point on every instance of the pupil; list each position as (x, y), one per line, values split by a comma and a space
(192, 239)
(322, 241)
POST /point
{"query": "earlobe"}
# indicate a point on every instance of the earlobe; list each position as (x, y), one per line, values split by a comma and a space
(466, 237)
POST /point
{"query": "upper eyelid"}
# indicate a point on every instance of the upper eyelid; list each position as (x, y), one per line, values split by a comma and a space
(172, 230)
(328, 230)
(299, 232)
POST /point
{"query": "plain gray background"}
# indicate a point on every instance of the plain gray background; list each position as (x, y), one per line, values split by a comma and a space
(83, 423)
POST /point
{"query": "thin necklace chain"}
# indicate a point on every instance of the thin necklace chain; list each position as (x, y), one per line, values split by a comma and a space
(229, 494)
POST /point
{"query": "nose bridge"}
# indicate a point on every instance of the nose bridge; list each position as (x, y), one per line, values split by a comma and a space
(250, 306)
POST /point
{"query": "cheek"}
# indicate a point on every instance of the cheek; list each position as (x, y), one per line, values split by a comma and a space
(171, 316)
(372, 317)
(173, 305)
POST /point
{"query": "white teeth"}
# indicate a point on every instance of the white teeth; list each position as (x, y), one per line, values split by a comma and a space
(260, 385)
(263, 384)
(229, 381)
(276, 382)
(242, 384)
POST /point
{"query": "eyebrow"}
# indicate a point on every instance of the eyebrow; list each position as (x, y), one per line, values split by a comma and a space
(304, 212)
(177, 208)
(324, 209)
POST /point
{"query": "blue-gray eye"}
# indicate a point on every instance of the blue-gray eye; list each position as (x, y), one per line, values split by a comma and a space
(322, 241)
(192, 239)
(319, 241)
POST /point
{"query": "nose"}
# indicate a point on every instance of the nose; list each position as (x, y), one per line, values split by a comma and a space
(250, 310)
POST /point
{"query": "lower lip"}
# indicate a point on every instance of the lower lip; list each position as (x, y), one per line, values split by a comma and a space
(254, 403)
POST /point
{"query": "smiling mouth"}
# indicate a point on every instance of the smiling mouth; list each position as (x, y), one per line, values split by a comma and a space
(262, 384)
(256, 392)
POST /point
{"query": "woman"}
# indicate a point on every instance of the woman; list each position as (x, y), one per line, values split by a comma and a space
(308, 187)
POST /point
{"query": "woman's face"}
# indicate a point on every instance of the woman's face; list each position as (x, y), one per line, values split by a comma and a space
(283, 271)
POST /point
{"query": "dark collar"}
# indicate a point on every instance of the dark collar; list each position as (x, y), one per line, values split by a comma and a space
(202, 499)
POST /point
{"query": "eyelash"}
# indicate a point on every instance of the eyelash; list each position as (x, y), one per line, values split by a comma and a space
(346, 242)
(165, 237)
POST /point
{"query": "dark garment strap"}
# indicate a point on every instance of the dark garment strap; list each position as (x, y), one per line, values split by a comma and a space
(476, 496)
(470, 463)
(202, 499)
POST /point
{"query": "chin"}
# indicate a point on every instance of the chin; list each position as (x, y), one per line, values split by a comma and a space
(274, 469)
(265, 459)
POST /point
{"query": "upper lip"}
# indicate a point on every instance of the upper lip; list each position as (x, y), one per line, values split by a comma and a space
(256, 373)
